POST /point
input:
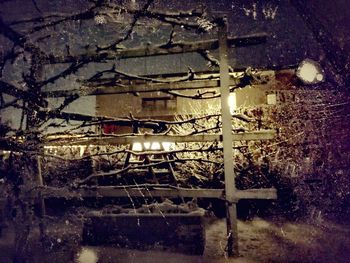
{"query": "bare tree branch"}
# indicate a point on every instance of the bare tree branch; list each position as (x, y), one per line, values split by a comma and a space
(98, 75)
(131, 167)
(136, 17)
(73, 68)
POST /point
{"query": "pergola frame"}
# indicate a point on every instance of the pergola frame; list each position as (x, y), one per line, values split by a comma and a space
(231, 195)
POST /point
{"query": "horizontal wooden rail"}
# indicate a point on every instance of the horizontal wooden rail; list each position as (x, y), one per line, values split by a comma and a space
(149, 87)
(112, 191)
(110, 140)
(157, 50)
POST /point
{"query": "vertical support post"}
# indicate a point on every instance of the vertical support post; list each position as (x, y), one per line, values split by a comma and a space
(41, 200)
(230, 188)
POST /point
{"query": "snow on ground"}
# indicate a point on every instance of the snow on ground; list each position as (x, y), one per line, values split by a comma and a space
(260, 240)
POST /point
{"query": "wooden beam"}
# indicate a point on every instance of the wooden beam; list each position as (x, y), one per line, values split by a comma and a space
(266, 193)
(112, 191)
(104, 89)
(230, 186)
(41, 201)
(104, 140)
(157, 50)
(109, 86)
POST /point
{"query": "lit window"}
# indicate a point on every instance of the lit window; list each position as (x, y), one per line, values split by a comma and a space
(159, 103)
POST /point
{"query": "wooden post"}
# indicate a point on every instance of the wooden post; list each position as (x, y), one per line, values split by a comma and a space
(230, 188)
(41, 200)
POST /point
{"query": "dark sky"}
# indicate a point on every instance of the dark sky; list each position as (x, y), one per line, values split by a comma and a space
(297, 30)
(291, 37)
(335, 17)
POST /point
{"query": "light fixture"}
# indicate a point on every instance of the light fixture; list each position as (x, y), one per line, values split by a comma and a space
(147, 145)
(154, 146)
(137, 147)
(168, 146)
(310, 72)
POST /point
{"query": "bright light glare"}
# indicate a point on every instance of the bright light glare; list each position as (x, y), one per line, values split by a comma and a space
(155, 146)
(82, 150)
(232, 102)
(319, 77)
(137, 147)
(310, 72)
(167, 146)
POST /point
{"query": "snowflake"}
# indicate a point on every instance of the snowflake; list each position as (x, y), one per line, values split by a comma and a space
(100, 20)
(204, 24)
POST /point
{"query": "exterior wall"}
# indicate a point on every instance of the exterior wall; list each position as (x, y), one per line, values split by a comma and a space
(312, 149)
(124, 104)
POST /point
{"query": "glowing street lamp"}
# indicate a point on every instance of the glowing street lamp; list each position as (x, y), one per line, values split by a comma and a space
(310, 72)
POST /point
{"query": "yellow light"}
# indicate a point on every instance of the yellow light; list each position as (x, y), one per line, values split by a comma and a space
(82, 150)
(232, 102)
(137, 147)
(87, 255)
(147, 145)
(310, 72)
(168, 146)
(155, 146)
(319, 77)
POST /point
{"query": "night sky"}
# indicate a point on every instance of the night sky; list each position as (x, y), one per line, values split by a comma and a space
(290, 40)
(312, 29)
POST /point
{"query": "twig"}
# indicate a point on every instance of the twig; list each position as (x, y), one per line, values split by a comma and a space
(130, 167)
(98, 75)
(136, 17)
